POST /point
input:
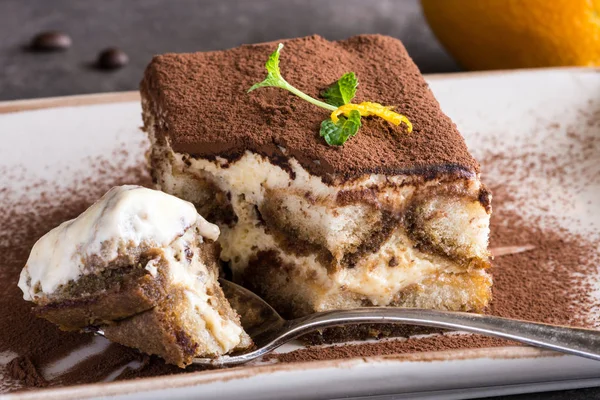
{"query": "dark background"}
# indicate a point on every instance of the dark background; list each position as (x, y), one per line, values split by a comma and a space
(143, 28)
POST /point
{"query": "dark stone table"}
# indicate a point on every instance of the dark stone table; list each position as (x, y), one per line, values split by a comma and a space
(148, 27)
(143, 28)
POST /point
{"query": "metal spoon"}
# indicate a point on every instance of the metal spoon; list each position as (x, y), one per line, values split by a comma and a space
(269, 330)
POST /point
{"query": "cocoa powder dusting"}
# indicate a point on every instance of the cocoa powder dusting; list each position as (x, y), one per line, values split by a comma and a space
(201, 103)
(22, 369)
(546, 284)
(389, 347)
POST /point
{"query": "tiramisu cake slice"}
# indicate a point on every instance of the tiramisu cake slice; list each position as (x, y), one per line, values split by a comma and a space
(142, 266)
(388, 218)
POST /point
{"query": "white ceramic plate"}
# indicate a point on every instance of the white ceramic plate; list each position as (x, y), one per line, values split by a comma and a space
(504, 111)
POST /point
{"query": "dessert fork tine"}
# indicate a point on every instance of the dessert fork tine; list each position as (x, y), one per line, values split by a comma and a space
(270, 331)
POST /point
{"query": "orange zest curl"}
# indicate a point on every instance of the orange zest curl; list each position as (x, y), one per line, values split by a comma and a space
(367, 109)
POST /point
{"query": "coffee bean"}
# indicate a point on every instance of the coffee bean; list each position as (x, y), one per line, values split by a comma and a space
(112, 58)
(51, 41)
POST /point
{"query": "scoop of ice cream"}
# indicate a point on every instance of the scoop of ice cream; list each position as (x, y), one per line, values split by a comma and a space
(126, 216)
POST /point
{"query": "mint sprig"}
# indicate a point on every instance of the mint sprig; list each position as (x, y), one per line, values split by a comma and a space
(341, 91)
(336, 134)
(338, 99)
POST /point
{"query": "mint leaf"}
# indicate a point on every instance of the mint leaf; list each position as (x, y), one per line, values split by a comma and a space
(336, 134)
(273, 74)
(341, 91)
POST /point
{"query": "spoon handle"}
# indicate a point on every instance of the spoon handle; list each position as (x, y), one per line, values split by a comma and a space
(580, 342)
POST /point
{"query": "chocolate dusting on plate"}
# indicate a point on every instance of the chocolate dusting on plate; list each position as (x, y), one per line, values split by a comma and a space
(201, 104)
(389, 347)
(22, 369)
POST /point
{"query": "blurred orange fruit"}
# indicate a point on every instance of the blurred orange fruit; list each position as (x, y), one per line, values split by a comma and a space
(497, 34)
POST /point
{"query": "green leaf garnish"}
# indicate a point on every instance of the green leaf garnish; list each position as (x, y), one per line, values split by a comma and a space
(338, 96)
(336, 134)
(273, 74)
(274, 79)
(341, 91)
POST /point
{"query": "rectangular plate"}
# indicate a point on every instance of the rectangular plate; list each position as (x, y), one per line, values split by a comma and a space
(62, 140)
